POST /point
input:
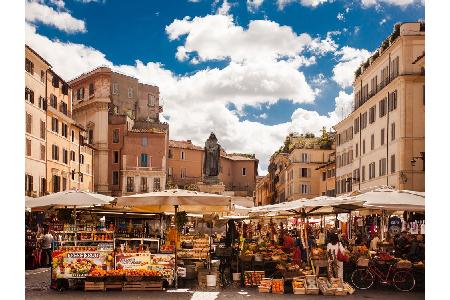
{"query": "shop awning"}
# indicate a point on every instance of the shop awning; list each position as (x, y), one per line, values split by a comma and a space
(165, 201)
(69, 199)
(390, 199)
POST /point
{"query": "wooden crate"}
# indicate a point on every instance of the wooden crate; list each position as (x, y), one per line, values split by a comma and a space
(94, 286)
(340, 292)
(264, 290)
(113, 285)
(278, 281)
(311, 291)
(348, 288)
(142, 286)
(299, 291)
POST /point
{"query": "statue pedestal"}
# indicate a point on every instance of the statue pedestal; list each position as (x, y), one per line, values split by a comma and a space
(217, 188)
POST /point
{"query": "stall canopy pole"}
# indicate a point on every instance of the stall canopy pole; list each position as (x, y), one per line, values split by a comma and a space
(176, 242)
(382, 224)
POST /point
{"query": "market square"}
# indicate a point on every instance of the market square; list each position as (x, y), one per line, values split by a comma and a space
(288, 165)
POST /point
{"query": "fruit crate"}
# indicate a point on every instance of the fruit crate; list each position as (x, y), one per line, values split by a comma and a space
(94, 286)
(298, 290)
(113, 285)
(325, 287)
(142, 286)
(265, 285)
(311, 285)
(277, 286)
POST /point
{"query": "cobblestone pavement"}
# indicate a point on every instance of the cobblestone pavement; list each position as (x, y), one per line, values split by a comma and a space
(37, 281)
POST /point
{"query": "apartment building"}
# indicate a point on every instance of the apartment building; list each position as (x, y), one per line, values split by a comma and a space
(237, 171)
(104, 101)
(262, 191)
(382, 142)
(81, 160)
(36, 69)
(327, 185)
(137, 157)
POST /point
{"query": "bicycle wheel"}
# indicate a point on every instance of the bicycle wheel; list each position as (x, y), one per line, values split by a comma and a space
(403, 280)
(362, 279)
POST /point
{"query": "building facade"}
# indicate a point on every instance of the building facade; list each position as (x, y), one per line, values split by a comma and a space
(36, 69)
(262, 191)
(113, 106)
(382, 142)
(327, 186)
(237, 171)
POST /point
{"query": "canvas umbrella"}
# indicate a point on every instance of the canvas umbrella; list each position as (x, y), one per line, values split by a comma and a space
(174, 200)
(70, 198)
(390, 199)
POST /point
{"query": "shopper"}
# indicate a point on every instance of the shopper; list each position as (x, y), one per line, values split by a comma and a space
(402, 245)
(374, 243)
(334, 246)
(417, 249)
(47, 241)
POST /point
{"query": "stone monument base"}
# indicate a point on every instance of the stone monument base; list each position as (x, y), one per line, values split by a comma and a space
(218, 188)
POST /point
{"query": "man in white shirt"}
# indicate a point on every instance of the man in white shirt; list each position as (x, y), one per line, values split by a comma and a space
(374, 243)
(47, 241)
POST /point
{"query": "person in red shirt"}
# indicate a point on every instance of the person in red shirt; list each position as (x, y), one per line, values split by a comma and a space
(288, 243)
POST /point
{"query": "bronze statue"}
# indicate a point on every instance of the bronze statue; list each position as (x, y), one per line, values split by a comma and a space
(212, 156)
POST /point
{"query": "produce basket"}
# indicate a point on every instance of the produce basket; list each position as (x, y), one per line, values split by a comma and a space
(325, 286)
(362, 262)
(403, 264)
(311, 285)
(265, 286)
(278, 286)
(299, 286)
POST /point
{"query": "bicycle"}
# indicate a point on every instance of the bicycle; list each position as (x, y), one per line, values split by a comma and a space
(401, 278)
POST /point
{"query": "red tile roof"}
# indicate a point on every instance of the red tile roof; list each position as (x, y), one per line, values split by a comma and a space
(184, 145)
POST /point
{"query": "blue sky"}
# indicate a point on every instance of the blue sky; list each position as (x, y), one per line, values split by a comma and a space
(291, 72)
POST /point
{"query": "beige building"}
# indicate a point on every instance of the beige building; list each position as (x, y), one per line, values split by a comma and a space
(382, 142)
(36, 69)
(327, 186)
(262, 191)
(103, 100)
(237, 171)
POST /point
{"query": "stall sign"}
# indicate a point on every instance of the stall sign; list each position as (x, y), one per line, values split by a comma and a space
(78, 264)
(133, 261)
(163, 263)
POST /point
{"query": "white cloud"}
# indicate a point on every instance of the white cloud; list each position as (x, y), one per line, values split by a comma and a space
(321, 47)
(224, 9)
(340, 16)
(58, 3)
(319, 81)
(349, 60)
(263, 116)
(253, 5)
(36, 12)
(309, 3)
(401, 3)
(382, 21)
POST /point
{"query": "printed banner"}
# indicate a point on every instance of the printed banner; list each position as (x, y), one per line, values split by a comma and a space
(133, 261)
(79, 264)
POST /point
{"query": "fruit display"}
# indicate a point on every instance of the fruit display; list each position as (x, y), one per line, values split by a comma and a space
(311, 285)
(198, 247)
(318, 253)
(253, 278)
(278, 286)
(97, 273)
(265, 285)
(142, 272)
(298, 285)
(167, 249)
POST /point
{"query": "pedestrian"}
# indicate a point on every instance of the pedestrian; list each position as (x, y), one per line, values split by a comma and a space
(337, 251)
(374, 243)
(402, 244)
(47, 240)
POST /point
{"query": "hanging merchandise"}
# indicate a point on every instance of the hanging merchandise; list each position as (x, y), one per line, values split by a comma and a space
(422, 227)
(359, 221)
(394, 225)
(414, 228)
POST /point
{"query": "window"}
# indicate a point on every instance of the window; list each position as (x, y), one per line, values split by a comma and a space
(29, 95)
(356, 175)
(64, 130)
(28, 147)
(156, 184)
(116, 157)
(130, 92)
(29, 66)
(63, 107)
(350, 156)
(305, 157)
(42, 76)
(144, 160)
(91, 136)
(42, 103)
(392, 163)
(53, 101)
(80, 94)
(372, 170)
(115, 88)
(392, 131)
(382, 167)
(170, 171)
(363, 120)
(170, 153)
(244, 171)
(304, 188)
(56, 183)
(151, 100)
(183, 156)
(305, 172)
(55, 125)
(183, 173)
(365, 92)
(55, 81)
(372, 142)
(116, 135)
(324, 176)
(356, 150)
(130, 184)
(72, 175)
(91, 89)
(28, 183)
(373, 85)
(372, 113)
(395, 67)
(384, 76)
(363, 173)
(65, 88)
(382, 107)
(115, 177)
(144, 186)
(72, 155)
(81, 159)
(73, 136)
(55, 152)
(81, 177)
(144, 141)
(29, 122)
(64, 183)
(42, 152)
(382, 137)
(392, 101)
(43, 187)
(356, 125)
(65, 156)
(364, 147)
(338, 139)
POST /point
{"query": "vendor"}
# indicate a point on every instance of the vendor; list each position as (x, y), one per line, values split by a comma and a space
(417, 249)
(402, 244)
(288, 243)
